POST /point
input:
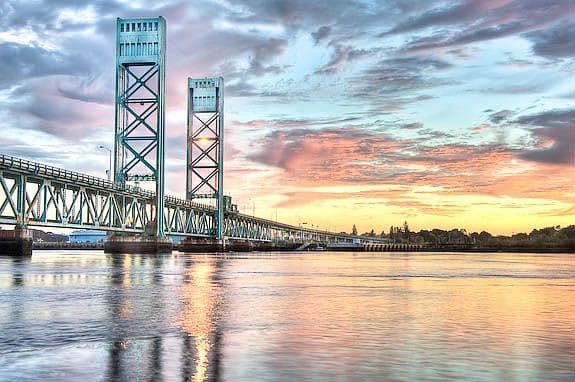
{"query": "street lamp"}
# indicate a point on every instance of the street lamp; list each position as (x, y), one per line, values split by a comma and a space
(301, 229)
(109, 171)
(253, 206)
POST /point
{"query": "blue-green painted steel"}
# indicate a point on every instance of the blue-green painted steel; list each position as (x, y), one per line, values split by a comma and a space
(205, 144)
(140, 106)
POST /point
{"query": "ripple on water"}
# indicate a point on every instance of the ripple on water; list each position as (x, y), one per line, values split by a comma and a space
(275, 317)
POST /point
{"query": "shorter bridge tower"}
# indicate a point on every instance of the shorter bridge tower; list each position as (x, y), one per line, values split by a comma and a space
(205, 148)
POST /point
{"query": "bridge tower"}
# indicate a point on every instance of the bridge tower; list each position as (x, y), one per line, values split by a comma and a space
(205, 148)
(140, 107)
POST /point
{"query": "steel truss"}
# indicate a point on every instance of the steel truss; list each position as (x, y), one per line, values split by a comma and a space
(140, 103)
(205, 146)
(35, 194)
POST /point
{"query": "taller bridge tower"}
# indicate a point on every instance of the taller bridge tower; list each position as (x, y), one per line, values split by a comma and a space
(140, 106)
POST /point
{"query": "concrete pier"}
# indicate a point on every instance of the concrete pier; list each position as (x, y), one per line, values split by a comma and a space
(201, 245)
(17, 242)
(137, 244)
(198, 245)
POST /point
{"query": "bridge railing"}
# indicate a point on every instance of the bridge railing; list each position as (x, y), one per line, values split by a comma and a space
(43, 170)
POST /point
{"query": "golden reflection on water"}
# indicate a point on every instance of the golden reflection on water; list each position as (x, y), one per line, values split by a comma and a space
(506, 316)
(126, 266)
(291, 317)
(199, 298)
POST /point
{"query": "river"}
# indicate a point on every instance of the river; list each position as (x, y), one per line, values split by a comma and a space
(315, 316)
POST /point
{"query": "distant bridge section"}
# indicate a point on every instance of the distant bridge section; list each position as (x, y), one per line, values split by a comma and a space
(32, 193)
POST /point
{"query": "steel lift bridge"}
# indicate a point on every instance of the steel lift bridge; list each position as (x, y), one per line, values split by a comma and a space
(36, 194)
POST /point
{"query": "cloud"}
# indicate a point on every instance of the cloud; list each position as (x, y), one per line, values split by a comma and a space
(241, 89)
(444, 15)
(412, 126)
(308, 154)
(263, 52)
(343, 54)
(321, 33)
(398, 75)
(556, 131)
(41, 107)
(489, 20)
(87, 89)
(466, 37)
(297, 123)
(298, 14)
(499, 116)
(20, 62)
(552, 118)
(555, 42)
(354, 157)
(338, 58)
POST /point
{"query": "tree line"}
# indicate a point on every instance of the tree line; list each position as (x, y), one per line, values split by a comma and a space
(543, 238)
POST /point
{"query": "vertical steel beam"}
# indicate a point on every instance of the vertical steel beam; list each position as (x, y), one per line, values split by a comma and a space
(140, 106)
(205, 144)
(21, 200)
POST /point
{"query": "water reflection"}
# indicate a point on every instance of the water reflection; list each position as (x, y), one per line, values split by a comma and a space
(89, 316)
(131, 356)
(19, 266)
(196, 315)
(414, 317)
(200, 319)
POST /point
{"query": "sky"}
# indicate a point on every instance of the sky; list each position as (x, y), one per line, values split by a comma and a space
(444, 114)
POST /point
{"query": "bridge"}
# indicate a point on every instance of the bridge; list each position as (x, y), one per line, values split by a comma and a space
(34, 194)
(139, 220)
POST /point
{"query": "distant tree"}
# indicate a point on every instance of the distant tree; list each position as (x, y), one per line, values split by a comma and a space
(372, 233)
(569, 232)
(354, 230)
(484, 237)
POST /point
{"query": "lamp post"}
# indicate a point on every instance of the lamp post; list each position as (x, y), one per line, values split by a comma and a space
(301, 229)
(109, 171)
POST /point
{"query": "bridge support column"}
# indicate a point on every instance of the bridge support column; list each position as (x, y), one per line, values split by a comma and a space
(17, 242)
(137, 244)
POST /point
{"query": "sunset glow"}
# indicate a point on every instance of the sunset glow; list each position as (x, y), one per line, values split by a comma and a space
(447, 114)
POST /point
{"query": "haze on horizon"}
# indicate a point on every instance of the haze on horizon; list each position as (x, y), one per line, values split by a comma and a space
(447, 114)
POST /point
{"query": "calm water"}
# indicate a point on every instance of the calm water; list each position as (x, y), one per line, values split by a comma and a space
(86, 316)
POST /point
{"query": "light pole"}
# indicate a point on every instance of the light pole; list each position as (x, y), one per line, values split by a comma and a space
(253, 206)
(109, 171)
(301, 229)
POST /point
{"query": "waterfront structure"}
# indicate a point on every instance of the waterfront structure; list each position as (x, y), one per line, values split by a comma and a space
(140, 107)
(87, 236)
(35, 194)
(205, 144)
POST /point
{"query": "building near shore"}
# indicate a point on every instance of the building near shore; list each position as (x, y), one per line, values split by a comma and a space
(87, 236)
(94, 236)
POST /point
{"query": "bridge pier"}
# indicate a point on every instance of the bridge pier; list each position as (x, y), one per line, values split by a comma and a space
(199, 245)
(17, 242)
(137, 244)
